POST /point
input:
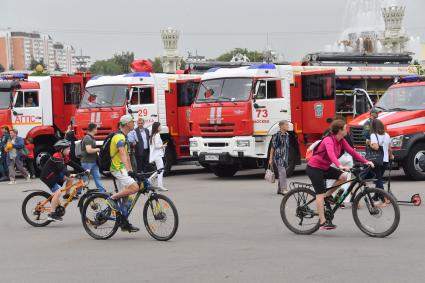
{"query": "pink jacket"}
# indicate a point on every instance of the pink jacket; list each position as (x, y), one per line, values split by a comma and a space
(329, 151)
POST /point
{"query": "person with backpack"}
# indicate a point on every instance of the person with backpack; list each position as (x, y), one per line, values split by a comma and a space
(380, 142)
(89, 153)
(279, 155)
(374, 113)
(55, 173)
(16, 155)
(319, 167)
(120, 166)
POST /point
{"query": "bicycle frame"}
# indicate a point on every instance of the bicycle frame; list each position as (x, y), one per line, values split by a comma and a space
(78, 185)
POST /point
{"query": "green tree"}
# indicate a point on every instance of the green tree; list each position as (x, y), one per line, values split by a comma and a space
(254, 56)
(105, 67)
(34, 63)
(157, 65)
(124, 60)
(2, 69)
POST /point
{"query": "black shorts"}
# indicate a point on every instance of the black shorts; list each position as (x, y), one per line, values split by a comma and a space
(318, 177)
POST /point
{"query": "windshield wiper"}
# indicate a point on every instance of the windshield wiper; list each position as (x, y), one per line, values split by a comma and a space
(382, 108)
(398, 109)
(227, 99)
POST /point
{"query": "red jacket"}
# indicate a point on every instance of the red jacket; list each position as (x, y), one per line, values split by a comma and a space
(30, 148)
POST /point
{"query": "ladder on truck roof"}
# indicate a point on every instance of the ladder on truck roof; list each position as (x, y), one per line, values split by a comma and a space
(344, 58)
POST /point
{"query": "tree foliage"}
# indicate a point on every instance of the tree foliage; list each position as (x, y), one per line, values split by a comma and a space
(157, 65)
(118, 64)
(254, 56)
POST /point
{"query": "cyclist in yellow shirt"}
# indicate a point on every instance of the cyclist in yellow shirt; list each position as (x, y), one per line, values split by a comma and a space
(121, 167)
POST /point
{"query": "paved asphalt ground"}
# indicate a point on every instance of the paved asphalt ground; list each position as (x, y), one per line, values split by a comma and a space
(230, 231)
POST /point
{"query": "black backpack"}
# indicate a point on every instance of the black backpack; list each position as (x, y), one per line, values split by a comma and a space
(105, 159)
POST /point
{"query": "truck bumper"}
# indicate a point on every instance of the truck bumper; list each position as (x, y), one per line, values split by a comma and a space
(228, 150)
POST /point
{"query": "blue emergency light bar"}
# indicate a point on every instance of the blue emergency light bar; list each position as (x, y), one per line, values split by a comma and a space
(412, 79)
(13, 77)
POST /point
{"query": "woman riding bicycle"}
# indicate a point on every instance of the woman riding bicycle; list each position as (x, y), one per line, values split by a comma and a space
(319, 166)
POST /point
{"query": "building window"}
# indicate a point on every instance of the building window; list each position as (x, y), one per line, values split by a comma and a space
(72, 93)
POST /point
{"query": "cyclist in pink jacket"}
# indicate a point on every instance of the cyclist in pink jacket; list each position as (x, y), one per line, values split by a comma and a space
(319, 166)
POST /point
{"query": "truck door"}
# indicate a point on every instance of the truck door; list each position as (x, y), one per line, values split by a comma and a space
(318, 101)
(178, 100)
(143, 104)
(27, 112)
(270, 105)
(66, 95)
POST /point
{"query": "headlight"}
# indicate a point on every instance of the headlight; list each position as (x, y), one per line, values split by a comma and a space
(397, 141)
(242, 143)
(193, 144)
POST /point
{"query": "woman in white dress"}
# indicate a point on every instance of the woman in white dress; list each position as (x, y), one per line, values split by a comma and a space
(157, 149)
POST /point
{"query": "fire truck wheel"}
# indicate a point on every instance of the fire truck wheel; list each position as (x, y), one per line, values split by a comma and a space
(169, 159)
(411, 165)
(42, 153)
(291, 162)
(224, 170)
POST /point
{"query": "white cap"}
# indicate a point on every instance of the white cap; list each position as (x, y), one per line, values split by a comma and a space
(126, 119)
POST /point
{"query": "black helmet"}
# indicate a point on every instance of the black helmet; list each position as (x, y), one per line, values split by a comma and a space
(61, 145)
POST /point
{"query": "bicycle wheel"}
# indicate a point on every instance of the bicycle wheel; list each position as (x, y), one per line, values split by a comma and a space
(298, 211)
(33, 212)
(372, 220)
(99, 221)
(160, 217)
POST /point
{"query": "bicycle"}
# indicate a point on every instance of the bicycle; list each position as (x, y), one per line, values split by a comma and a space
(36, 206)
(159, 212)
(306, 218)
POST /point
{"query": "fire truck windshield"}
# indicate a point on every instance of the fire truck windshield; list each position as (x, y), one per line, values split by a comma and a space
(104, 96)
(4, 99)
(403, 98)
(229, 89)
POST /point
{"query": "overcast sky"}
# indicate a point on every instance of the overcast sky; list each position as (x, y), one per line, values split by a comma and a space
(103, 27)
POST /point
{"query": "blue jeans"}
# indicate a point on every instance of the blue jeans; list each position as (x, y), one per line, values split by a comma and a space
(94, 171)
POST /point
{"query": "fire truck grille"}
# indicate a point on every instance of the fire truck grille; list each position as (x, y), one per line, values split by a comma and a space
(217, 128)
(357, 135)
(102, 133)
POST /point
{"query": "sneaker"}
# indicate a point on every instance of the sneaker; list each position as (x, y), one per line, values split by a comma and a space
(53, 217)
(28, 178)
(11, 183)
(285, 191)
(111, 203)
(161, 189)
(129, 228)
(327, 225)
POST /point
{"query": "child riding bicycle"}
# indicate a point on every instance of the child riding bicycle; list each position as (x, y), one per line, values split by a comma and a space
(55, 173)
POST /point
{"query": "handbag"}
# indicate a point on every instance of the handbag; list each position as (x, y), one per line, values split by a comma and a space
(270, 176)
(376, 156)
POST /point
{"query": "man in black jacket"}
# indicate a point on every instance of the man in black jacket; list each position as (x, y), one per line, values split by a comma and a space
(141, 149)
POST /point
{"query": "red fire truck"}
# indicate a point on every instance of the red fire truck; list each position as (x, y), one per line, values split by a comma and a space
(155, 97)
(237, 111)
(40, 107)
(403, 114)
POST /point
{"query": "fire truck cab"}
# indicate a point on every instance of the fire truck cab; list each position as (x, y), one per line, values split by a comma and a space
(237, 110)
(154, 97)
(403, 113)
(40, 107)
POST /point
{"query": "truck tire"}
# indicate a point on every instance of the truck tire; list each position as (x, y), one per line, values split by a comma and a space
(411, 165)
(42, 153)
(169, 159)
(224, 170)
(291, 162)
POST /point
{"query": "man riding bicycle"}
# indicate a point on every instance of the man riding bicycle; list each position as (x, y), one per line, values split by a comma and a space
(319, 167)
(121, 167)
